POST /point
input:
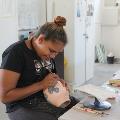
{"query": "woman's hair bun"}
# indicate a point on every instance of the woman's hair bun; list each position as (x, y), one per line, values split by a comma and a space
(60, 21)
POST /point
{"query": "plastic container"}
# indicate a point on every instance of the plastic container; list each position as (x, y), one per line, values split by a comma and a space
(110, 60)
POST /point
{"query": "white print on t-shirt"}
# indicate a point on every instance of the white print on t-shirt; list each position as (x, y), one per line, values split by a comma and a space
(48, 65)
(43, 64)
(38, 65)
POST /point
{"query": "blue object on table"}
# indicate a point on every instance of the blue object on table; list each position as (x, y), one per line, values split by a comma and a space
(97, 105)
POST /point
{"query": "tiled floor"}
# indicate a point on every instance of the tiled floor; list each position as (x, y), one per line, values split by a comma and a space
(103, 72)
(3, 115)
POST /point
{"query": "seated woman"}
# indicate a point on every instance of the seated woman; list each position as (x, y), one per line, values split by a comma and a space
(24, 74)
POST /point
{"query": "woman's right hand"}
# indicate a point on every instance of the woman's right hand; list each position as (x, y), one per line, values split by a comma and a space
(50, 80)
(9, 92)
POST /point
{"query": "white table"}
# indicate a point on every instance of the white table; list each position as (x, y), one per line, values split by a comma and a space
(114, 112)
(72, 114)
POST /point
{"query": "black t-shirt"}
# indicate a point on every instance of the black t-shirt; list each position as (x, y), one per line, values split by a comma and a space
(19, 58)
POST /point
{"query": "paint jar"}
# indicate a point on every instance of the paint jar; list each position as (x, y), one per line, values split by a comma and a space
(110, 60)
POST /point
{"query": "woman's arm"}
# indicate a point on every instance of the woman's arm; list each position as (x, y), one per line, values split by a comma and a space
(8, 82)
(8, 90)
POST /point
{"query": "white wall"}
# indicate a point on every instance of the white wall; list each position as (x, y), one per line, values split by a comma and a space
(109, 2)
(98, 19)
(110, 37)
(31, 13)
(8, 30)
